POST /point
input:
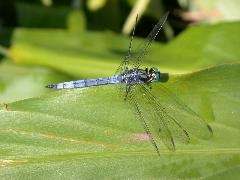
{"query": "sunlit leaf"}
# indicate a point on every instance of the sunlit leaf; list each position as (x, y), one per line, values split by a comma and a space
(21, 82)
(91, 132)
(93, 54)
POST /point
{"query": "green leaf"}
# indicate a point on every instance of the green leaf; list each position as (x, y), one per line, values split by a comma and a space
(76, 21)
(21, 82)
(94, 54)
(30, 15)
(92, 133)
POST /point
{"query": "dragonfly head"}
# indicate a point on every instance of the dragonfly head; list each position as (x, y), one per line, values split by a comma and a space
(154, 74)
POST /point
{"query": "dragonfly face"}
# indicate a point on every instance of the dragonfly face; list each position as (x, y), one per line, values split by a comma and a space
(154, 74)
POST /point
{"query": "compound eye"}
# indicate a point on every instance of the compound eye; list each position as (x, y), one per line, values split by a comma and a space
(151, 70)
(154, 76)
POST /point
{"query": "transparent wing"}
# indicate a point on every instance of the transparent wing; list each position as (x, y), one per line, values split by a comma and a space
(185, 116)
(160, 125)
(142, 51)
(168, 119)
(130, 62)
(135, 61)
(125, 63)
(133, 99)
(121, 88)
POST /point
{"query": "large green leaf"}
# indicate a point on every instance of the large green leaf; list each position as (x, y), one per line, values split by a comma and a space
(32, 15)
(21, 82)
(95, 54)
(91, 133)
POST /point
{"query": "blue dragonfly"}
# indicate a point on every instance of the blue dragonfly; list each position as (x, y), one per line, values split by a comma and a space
(163, 122)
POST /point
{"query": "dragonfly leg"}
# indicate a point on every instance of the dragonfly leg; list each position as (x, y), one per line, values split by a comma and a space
(149, 85)
(146, 70)
(128, 88)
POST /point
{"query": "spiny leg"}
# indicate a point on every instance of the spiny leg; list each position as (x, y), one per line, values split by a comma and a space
(128, 88)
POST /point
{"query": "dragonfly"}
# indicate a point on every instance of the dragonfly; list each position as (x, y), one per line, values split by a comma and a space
(163, 121)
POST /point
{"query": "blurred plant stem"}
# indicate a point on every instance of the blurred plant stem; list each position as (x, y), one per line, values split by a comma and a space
(76, 21)
(138, 9)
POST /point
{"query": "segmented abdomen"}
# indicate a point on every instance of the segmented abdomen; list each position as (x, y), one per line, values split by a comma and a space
(86, 83)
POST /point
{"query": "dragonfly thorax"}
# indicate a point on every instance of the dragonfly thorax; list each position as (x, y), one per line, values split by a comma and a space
(136, 76)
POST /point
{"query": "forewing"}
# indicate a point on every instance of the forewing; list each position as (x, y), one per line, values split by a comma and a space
(136, 60)
(125, 63)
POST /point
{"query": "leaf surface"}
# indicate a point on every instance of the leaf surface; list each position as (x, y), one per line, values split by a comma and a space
(91, 132)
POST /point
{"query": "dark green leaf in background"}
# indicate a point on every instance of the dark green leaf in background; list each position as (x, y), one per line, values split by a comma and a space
(30, 15)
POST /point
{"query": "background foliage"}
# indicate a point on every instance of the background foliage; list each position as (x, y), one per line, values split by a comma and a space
(91, 133)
